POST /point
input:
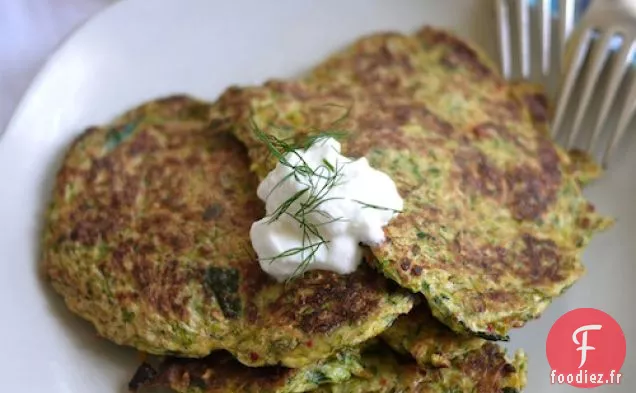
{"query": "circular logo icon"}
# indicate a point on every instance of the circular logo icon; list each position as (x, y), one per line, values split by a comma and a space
(586, 348)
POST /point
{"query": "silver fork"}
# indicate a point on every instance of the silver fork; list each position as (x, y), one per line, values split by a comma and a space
(517, 13)
(604, 23)
(590, 44)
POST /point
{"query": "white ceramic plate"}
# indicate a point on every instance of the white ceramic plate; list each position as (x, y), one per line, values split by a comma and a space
(138, 50)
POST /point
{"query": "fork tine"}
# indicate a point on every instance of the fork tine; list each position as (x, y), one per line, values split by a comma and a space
(503, 36)
(566, 23)
(575, 58)
(523, 21)
(616, 75)
(545, 15)
(597, 59)
(627, 113)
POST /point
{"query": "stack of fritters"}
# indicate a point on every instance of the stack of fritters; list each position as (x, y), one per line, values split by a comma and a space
(148, 231)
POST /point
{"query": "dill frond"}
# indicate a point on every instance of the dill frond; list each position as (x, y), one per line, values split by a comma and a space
(318, 182)
(372, 206)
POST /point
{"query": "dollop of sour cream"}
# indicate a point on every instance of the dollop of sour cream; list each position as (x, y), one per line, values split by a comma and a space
(320, 207)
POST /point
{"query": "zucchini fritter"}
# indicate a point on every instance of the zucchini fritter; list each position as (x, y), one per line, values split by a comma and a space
(378, 371)
(427, 340)
(221, 373)
(434, 345)
(148, 238)
(486, 370)
(495, 221)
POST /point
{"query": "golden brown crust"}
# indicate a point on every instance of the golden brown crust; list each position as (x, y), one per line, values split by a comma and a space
(323, 301)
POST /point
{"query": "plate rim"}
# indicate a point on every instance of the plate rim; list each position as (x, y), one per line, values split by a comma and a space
(47, 63)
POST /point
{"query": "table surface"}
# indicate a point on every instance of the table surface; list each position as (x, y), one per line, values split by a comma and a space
(29, 31)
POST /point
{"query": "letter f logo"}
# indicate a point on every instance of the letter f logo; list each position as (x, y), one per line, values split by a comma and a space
(583, 344)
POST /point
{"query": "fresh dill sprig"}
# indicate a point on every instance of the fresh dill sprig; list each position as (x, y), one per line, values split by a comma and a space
(293, 251)
(318, 183)
(372, 206)
(316, 136)
(282, 209)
